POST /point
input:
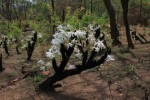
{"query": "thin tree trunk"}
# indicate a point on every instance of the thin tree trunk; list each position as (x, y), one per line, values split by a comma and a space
(113, 24)
(91, 6)
(141, 7)
(1, 65)
(53, 9)
(125, 17)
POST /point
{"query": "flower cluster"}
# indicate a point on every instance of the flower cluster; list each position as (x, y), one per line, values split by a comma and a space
(86, 39)
(70, 37)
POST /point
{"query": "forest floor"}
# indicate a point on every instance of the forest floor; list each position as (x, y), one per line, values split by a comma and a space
(126, 78)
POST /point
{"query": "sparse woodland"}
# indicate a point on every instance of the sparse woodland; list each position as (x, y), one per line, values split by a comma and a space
(74, 49)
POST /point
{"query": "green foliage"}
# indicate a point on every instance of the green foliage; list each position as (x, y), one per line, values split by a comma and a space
(14, 30)
(3, 27)
(10, 29)
(88, 18)
(129, 69)
(124, 49)
(34, 25)
(37, 78)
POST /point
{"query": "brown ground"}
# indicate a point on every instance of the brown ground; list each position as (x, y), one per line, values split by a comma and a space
(128, 76)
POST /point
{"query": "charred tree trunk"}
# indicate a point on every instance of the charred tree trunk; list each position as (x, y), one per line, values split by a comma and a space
(113, 24)
(5, 46)
(125, 17)
(17, 45)
(17, 49)
(31, 46)
(49, 83)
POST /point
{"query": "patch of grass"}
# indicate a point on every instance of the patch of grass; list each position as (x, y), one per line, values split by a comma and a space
(10, 76)
(38, 78)
(124, 50)
(129, 69)
(121, 56)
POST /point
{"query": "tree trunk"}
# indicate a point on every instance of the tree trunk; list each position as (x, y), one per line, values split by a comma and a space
(141, 7)
(8, 11)
(113, 24)
(53, 9)
(125, 17)
(1, 65)
(49, 83)
(91, 6)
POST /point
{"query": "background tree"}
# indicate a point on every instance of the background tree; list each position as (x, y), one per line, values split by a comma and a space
(113, 24)
(125, 17)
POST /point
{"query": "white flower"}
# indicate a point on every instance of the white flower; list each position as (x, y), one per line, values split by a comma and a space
(33, 31)
(80, 34)
(97, 27)
(74, 41)
(22, 41)
(110, 58)
(91, 37)
(41, 62)
(40, 35)
(48, 64)
(55, 49)
(68, 26)
(50, 54)
(24, 46)
(69, 34)
(78, 55)
(91, 26)
(101, 35)
(97, 49)
(71, 67)
(31, 42)
(99, 44)
(60, 27)
(57, 41)
(70, 45)
(43, 68)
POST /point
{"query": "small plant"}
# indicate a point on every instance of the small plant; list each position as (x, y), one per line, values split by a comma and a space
(129, 69)
(124, 50)
(37, 78)
(121, 56)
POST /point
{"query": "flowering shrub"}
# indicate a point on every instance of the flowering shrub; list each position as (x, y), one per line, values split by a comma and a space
(70, 37)
(87, 44)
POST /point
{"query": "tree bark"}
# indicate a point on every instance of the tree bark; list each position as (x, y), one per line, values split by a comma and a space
(113, 24)
(1, 65)
(125, 17)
